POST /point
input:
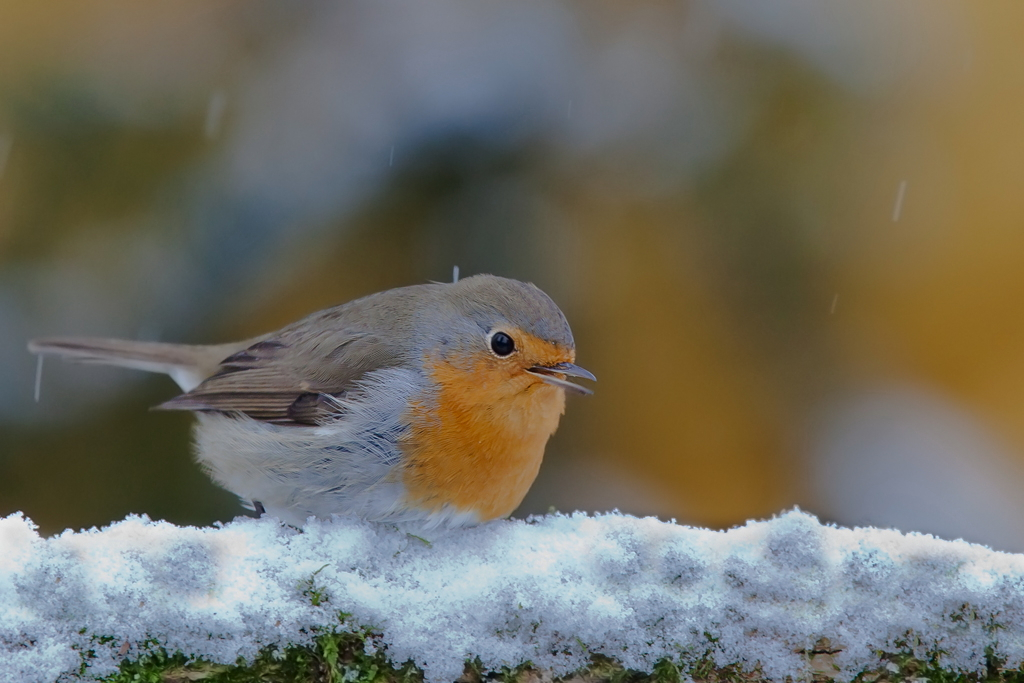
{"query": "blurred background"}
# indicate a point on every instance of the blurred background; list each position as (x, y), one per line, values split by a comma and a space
(788, 234)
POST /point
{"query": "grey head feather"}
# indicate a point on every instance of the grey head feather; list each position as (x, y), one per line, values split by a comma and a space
(481, 303)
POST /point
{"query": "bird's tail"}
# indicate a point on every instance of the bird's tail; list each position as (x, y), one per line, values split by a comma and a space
(186, 364)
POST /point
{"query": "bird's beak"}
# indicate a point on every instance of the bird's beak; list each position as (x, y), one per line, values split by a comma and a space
(556, 374)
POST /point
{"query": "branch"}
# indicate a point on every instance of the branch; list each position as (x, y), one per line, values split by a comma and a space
(551, 595)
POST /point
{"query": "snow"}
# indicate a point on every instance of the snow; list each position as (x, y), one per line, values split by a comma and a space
(551, 590)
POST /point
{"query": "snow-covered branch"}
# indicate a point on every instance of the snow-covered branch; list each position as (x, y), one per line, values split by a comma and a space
(553, 591)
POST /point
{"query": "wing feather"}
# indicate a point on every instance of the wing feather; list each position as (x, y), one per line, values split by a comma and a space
(289, 379)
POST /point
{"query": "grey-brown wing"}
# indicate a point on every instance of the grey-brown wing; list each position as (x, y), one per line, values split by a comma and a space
(291, 378)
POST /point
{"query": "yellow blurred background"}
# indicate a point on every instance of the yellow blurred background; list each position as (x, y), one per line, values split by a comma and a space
(788, 234)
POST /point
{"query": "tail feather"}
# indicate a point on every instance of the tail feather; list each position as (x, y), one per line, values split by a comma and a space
(186, 364)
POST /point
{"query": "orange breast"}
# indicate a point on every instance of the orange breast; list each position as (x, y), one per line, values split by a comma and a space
(478, 445)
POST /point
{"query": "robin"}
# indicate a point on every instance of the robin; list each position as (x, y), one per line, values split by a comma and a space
(429, 404)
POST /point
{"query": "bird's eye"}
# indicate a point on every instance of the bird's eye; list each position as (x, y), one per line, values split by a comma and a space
(502, 344)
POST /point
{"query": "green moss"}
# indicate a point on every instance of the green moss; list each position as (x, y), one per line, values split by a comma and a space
(342, 658)
(315, 594)
(331, 658)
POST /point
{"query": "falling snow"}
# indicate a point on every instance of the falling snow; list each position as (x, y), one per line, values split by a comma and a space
(550, 590)
(215, 107)
(897, 209)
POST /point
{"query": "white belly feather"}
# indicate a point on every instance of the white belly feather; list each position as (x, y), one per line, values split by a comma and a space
(341, 467)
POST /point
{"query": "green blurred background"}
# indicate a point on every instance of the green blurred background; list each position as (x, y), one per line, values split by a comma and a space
(788, 234)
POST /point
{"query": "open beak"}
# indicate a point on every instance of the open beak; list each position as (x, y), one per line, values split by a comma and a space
(556, 374)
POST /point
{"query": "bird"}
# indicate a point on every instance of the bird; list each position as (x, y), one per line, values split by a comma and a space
(423, 406)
